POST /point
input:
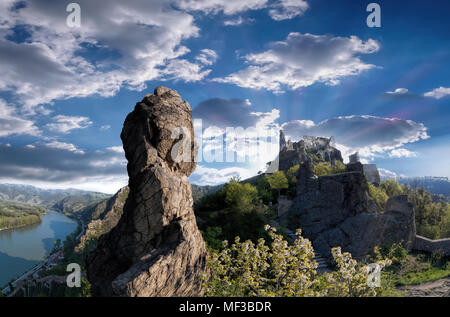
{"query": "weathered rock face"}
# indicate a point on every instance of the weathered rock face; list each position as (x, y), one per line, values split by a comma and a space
(156, 248)
(335, 210)
(294, 153)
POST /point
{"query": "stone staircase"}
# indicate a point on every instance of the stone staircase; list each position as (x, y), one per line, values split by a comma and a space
(323, 263)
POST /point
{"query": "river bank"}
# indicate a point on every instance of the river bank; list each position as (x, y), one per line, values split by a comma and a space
(23, 248)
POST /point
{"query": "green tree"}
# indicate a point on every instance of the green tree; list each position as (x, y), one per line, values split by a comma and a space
(240, 196)
(432, 213)
(264, 190)
(278, 181)
(379, 195)
(392, 188)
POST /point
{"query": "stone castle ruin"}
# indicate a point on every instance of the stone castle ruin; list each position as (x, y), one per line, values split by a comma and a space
(336, 210)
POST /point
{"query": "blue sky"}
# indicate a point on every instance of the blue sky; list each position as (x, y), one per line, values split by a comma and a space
(311, 67)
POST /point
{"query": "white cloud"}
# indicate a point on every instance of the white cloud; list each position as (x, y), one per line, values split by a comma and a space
(207, 56)
(237, 21)
(384, 173)
(65, 124)
(117, 149)
(398, 153)
(228, 7)
(398, 91)
(288, 9)
(63, 165)
(369, 135)
(302, 60)
(142, 41)
(213, 176)
(181, 69)
(12, 124)
(232, 132)
(61, 146)
(105, 127)
(278, 10)
(438, 93)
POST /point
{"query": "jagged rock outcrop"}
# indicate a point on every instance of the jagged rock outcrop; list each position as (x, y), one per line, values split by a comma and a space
(294, 153)
(336, 210)
(156, 248)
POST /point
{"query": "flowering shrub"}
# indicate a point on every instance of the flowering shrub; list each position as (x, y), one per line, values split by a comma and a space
(282, 269)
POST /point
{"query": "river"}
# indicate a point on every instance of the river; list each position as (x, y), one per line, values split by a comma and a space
(22, 248)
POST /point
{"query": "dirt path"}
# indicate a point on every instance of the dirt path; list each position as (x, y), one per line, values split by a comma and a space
(439, 288)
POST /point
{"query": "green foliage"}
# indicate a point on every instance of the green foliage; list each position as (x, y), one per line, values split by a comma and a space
(278, 181)
(265, 193)
(280, 269)
(391, 188)
(231, 223)
(291, 174)
(432, 216)
(379, 195)
(325, 168)
(408, 269)
(14, 215)
(431, 274)
(394, 252)
(212, 202)
(236, 209)
(314, 157)
(240, 196)
(212, 237)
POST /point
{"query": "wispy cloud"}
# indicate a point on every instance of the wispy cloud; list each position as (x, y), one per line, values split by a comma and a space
(302, 60)
(12, 124)
(65, 124)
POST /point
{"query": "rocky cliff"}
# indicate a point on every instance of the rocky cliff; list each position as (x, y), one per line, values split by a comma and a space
(156, 248)
(336, 210)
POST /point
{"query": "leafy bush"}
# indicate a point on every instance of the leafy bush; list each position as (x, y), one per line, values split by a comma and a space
(280, 269)
(391, 188)
(325, 168)
(379, 195)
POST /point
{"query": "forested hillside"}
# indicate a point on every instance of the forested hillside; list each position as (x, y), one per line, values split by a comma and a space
(14, 215)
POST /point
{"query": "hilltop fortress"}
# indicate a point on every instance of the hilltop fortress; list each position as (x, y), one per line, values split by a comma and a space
(337, 210)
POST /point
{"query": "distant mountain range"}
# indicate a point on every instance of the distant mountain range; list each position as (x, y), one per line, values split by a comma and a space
(68, 201)
(435, 185)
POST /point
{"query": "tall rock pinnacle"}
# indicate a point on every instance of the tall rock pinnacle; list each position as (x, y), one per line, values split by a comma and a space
(156, 248)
